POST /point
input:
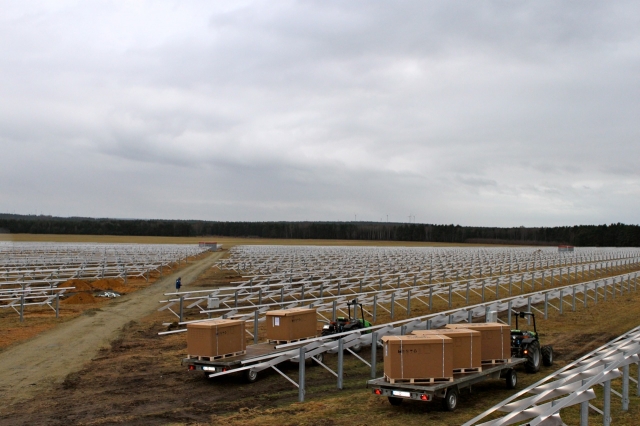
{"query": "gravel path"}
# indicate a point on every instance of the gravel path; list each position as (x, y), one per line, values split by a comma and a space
(31, 367)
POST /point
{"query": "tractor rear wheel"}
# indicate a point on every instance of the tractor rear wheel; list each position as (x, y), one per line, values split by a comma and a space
(533, 357)
(547, 356)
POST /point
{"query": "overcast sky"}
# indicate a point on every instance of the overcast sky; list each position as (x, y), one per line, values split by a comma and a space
(491, 113)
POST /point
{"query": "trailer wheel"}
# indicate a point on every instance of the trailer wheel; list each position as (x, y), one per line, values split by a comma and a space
(356, 348)
(394, 401)
(450, 401)
(512, 379)
(319, 357)
(547, 356)
(250, 376)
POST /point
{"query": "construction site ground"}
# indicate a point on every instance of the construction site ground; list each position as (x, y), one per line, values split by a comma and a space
(108, 365)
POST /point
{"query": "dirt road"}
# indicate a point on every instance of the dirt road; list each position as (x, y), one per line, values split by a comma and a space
(34, 366)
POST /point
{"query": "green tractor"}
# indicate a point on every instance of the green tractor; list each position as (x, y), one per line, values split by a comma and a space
(342, 324)
(526, 344)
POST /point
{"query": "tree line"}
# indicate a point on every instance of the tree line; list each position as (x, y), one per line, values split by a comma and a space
(618, 234)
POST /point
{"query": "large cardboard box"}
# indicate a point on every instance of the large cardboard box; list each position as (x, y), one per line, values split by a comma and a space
(215, 337)
(418, 357)
(291, 324)
(467, 347)
(496, 338)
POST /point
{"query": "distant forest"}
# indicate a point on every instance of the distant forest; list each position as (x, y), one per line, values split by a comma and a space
(619, 235)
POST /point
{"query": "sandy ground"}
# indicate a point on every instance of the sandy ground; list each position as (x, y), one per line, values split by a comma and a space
(36, 365)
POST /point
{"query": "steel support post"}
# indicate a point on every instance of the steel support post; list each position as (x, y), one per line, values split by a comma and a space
(334, 307)
(255, 327)
(528, 309)
(408, 303)
(584, 413)
(638, 382)
(374, 350)
(181, 308)
(360, 291)
(469, 316)
(625, 388)
(522, 284)
(340, 361)
(546, 305)
(509, 312)
(375, 308)
(58, 305)
(483, 284)
(321, 290)
(403, 330)
(606, 412)
(613, 287)
(393, 303)
(585, 295)
(542, 279)
(235, 298)
(415, 277)
(380, 284)
(430, 298)
(486, 313)
(301, 365)
(22, 305)
(450, 293)
(467, 294)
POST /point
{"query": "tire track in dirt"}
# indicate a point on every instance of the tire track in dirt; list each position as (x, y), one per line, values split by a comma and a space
(34, 366)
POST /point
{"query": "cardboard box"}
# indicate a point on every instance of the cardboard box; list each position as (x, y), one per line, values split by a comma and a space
(467, 347)
(496, 338)
(291, 324)
(215, 337)
(418, 357)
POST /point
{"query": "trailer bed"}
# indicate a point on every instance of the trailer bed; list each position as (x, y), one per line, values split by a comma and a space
(396, 392)
(254, 353)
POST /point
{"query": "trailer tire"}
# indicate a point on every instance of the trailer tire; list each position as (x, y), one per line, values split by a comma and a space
(319, 357)
(250, 376)
(356, 348)
(511, 379)
(450, 401)
(394, 401)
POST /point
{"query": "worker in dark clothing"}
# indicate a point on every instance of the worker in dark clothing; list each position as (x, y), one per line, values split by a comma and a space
(178, 283)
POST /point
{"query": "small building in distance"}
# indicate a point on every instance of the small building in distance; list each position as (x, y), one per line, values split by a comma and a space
(211, 245)
(562, 249)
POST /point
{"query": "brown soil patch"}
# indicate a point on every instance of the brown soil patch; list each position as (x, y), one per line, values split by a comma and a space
(79, 285)
(79, 299)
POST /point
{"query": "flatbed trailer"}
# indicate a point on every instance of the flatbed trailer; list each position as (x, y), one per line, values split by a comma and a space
(254, 354)
(448, 391)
